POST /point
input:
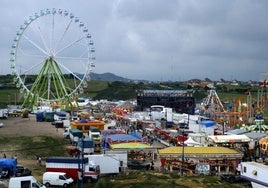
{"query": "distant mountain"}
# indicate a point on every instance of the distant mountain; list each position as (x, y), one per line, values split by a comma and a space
(108, 77)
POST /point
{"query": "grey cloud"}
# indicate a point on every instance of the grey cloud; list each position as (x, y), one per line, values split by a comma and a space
(162, 40)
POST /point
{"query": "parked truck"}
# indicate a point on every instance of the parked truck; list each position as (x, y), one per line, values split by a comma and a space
(73, 167)
(161, 113)
(62, 119)
(60, 116)
(75, 134)
(84, 146)
(95, 135)
(87, 145)
(109, 163)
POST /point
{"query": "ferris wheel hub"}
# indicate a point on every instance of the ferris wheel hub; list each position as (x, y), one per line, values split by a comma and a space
(52, 54)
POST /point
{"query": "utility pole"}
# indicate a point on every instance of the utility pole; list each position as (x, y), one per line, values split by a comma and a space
(81, 167)
(182, 155)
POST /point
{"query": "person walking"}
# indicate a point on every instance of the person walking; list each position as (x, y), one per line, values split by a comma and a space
(39, 160)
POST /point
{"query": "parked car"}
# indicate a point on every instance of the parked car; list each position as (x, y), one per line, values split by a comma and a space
(232, 178)
(136, 164)
(22, 171)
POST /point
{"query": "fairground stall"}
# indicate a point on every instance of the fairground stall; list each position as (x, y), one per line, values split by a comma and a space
(218, 159)
(139, 153)
(232, 141)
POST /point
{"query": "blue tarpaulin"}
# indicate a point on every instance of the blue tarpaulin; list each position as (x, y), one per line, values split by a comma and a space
(207, 123)
(7, 164)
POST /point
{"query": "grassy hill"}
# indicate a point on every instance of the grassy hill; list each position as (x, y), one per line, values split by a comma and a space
(124, 90)
(100, 89)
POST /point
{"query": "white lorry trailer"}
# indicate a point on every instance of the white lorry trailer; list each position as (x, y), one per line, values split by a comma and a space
(70, 166)
(94, 134)
(122, 155)
(109, 163)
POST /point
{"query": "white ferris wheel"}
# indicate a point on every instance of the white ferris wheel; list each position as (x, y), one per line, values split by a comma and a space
(52, 57)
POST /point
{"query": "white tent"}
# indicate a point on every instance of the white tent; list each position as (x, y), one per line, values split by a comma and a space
(228, 139)
(191, 142)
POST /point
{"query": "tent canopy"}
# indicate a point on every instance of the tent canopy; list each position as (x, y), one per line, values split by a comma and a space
(8, 164)
(131, 145)
(123, 137)
(191, 142)
(228, 138)
(126, 105)
(120, 138)
(207, 123)
(199, 152)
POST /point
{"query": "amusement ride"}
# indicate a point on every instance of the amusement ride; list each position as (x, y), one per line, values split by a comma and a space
(52, 58)
(246, 111)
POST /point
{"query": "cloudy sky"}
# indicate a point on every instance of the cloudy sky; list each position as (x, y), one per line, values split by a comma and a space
(161, 40)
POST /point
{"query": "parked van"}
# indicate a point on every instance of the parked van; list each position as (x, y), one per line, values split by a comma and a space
(57, 179)
(24, 182)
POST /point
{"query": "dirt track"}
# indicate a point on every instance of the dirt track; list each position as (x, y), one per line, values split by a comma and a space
(18, 126)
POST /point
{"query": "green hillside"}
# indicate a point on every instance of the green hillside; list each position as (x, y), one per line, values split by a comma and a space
(119, 90)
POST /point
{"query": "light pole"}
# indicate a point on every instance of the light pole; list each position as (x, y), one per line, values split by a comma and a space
(182, 155)
(81, 166)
